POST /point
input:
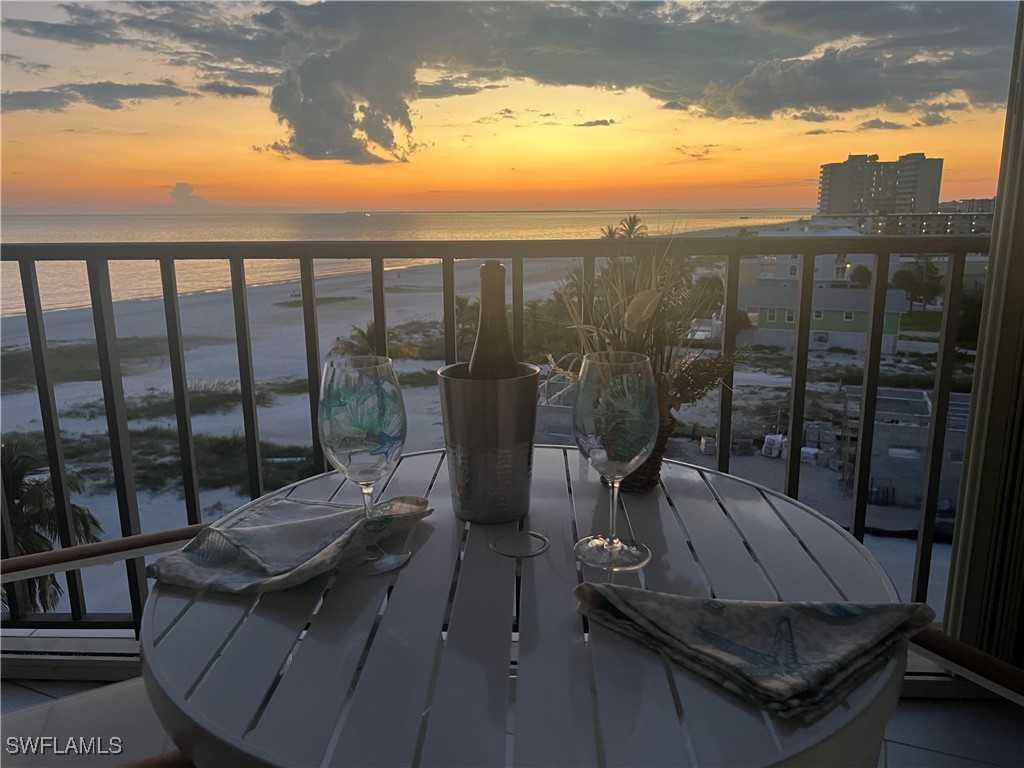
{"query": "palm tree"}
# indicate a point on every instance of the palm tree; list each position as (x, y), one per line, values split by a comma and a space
(467, 318)
(363, 341)
(632, 226)
(629, 227)
(34, 515)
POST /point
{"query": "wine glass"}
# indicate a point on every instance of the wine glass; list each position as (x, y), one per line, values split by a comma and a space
(363, 426)
(615, 423)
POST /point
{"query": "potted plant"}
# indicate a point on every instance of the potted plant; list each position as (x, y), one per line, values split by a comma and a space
(645, 303)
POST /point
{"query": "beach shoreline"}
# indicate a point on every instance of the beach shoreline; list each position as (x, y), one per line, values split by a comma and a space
(13, 296)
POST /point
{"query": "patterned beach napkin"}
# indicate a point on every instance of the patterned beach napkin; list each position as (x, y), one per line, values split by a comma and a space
(797, 660)
(279, 543)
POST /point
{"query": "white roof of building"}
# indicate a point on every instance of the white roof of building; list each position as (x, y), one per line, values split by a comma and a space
(811, 231)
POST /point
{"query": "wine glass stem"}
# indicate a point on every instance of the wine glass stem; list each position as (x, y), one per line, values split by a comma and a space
(613, 511)
(367, 499)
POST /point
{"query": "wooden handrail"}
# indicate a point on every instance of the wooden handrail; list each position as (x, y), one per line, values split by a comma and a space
(975, 665)
(72, 558)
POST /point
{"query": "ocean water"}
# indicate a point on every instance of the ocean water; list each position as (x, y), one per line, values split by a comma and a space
(64, 285)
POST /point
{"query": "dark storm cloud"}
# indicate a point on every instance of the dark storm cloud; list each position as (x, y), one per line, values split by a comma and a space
(342, 75)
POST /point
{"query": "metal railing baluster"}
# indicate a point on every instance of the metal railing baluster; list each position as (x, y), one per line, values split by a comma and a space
(51, 428)
(448, 300)
(735, 250)
(311, 331)
(517, 307)
(246, 377)
(179, 386)
(944, 366)
(723, 440)
(380, 322)
(587, 289)
(869, 396)
(798, 393)
(117, 425)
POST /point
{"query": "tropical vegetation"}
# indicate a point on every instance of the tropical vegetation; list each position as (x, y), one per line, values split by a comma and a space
(35, 517)
(646, 304)
(921, 281)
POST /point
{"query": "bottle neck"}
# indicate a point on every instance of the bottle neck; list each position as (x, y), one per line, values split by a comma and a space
(492, 291)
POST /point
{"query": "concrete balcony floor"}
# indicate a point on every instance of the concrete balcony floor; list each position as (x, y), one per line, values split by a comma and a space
(923, 733)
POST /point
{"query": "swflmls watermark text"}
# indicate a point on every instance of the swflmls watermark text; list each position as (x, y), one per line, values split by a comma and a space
(53, 745)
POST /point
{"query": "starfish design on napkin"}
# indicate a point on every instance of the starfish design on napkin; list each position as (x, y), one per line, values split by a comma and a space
(783, 658)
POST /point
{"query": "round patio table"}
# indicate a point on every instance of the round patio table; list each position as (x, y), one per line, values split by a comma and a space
(466, 657)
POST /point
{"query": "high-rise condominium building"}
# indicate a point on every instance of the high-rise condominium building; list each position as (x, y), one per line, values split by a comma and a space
(864, 185)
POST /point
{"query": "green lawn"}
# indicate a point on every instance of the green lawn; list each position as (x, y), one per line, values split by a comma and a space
(921, 321)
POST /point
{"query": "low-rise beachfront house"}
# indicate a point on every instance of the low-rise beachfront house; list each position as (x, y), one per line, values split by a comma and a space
(839, 317)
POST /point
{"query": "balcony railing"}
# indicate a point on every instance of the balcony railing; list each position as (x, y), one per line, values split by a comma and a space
(727, 252)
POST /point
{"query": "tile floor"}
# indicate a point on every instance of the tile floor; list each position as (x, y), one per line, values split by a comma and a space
(923, 733)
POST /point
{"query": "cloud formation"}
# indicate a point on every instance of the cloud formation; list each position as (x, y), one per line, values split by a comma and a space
(183, 197)
(342, 76)
(105, 95)
(877, 124)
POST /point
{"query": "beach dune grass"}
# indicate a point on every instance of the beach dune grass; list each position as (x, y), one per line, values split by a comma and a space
(219, 458)
(78, 361)
(205, 397)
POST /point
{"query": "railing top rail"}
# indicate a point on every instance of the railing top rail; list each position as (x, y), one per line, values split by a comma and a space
(682, 245)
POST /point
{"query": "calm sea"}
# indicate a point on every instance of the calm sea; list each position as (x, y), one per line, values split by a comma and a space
(64, 285)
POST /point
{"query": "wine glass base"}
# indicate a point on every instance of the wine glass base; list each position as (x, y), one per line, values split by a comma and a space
(521, 544)
(611, 554)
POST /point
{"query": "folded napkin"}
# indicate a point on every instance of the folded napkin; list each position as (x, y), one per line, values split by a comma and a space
(281, 542)
(797, 660)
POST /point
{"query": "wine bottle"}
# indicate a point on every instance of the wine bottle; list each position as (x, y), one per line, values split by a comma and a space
(492, 356)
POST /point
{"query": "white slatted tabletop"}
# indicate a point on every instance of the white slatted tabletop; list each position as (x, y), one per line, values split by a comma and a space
(469, 658)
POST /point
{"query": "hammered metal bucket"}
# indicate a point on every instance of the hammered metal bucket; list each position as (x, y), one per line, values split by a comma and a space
(488, 436)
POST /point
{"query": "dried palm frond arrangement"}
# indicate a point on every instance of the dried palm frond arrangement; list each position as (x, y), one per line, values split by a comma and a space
(642, 303)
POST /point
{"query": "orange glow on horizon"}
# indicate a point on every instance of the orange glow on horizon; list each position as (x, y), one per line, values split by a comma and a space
(644, 157)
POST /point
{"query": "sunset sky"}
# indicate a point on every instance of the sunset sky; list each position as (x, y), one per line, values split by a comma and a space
(473, 106)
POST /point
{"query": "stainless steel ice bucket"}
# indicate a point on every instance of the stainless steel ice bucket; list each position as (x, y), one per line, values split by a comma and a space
(488, 437)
